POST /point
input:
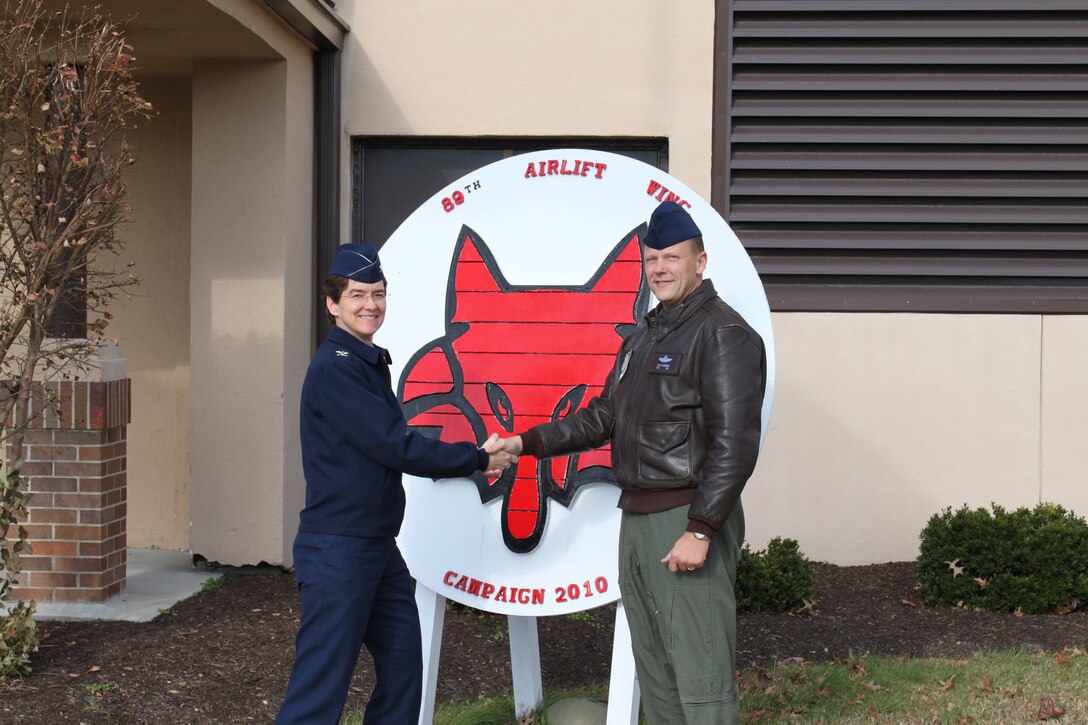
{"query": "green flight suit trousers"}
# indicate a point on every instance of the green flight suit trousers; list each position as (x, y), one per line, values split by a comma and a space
(683, 624)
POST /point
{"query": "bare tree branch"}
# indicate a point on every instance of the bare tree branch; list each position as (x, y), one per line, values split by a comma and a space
(67, 101)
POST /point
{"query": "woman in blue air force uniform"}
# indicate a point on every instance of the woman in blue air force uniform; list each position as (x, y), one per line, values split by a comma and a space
(355, 586)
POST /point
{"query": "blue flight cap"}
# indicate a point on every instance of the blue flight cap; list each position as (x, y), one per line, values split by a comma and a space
(670, 224)
(358, 262)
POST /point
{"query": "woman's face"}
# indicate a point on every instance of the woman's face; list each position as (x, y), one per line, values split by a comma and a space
(360, 310)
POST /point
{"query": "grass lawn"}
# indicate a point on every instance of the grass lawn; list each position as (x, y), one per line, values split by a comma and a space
(1007, 687)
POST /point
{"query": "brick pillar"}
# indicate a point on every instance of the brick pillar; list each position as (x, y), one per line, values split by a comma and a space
(75, 469)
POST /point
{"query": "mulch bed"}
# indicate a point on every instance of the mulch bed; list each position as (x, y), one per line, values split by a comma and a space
(223, 656)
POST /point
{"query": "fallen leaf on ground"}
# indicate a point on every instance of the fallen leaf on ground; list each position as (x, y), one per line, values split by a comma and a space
(946, 686)
(1048, 710)
(1070, 606)
(762, 677)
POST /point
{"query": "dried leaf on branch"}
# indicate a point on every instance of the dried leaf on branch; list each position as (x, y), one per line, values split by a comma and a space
(67, 101)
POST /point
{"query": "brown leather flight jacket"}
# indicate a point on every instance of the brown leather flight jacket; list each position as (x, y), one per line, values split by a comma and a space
(682, 407)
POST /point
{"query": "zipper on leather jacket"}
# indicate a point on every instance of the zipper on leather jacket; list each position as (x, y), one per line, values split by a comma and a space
(629, 416)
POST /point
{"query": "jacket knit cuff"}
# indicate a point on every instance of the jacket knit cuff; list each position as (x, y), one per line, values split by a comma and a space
(482, 459)
(531, 443)
(702, 527)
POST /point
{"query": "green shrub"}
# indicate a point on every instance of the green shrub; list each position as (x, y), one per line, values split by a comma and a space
(1032, 560)
(778, 579)
(19, 638)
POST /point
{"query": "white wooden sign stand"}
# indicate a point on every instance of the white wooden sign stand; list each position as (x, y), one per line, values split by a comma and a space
(623, 692)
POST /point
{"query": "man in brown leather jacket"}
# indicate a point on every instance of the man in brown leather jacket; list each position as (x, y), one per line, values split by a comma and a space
(682, 409)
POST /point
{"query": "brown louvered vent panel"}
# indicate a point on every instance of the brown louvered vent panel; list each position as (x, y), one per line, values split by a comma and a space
(910, 155)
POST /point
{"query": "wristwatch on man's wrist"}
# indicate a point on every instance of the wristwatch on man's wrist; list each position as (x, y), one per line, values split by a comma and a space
(700, 536)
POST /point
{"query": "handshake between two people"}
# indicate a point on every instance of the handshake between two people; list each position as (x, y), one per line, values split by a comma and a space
(502, 453)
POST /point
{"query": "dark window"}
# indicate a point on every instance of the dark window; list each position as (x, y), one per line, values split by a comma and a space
(927, 156)
(393, 176)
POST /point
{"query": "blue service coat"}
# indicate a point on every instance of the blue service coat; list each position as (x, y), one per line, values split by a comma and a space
(356, 443)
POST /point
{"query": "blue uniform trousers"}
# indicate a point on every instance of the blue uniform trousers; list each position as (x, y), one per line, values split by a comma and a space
(355, 591)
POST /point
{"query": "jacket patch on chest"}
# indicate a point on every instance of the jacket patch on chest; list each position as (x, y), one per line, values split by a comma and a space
(666, 363)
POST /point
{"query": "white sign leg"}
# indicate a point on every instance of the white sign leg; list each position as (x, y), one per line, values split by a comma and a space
(623, 693)
(525, 664)
(432, 616)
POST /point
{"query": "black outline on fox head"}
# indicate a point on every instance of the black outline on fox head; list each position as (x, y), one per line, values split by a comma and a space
(501, 406)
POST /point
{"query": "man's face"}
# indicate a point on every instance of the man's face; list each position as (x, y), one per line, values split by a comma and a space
(361, 309)
(673, 272)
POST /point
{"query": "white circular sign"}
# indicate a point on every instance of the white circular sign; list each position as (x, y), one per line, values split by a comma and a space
(510, 293)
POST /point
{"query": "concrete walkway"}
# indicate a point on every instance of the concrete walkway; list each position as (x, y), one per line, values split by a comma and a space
(157, 579)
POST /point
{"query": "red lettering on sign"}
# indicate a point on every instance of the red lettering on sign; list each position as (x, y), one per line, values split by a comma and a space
(662, 193)
(574, 591)
(560, 167)
(521, 595)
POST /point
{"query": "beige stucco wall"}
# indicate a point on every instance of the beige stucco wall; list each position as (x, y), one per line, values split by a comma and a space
(218, 335)
(882, 420)
(879, 420)
(250, 321)
(153, 325)
(630, 68)
(252, 231)
(1064, 405)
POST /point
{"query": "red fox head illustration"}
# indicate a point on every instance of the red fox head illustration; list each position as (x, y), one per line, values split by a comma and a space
(516, 356)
